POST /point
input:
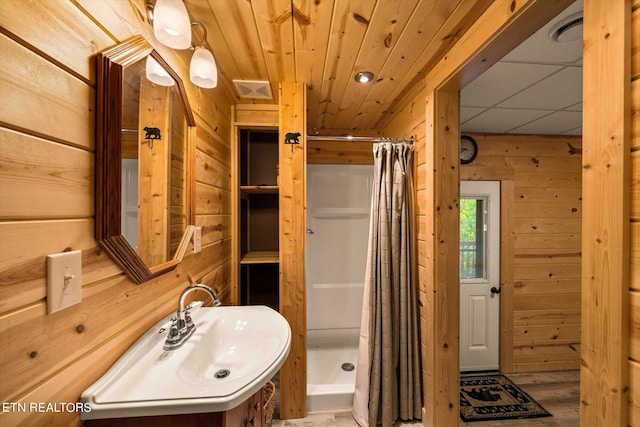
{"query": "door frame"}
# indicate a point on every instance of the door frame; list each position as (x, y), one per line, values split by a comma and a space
(495, 244)
(503, 26)
(604, 351)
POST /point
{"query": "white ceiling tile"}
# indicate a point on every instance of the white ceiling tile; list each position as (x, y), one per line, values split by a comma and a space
(574, 107)
(500, 120)
(501, 81)
(553, 93)
(467, 113)
(539, 48)
(527, 86)
(556, 123)
(576, 131)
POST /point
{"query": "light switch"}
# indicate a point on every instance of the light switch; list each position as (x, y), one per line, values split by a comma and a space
(64, 280)
(197, 240)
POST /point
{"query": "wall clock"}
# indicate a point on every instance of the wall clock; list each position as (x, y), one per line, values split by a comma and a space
(468, 149)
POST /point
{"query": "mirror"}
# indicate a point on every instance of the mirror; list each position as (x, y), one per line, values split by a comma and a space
(144, 161)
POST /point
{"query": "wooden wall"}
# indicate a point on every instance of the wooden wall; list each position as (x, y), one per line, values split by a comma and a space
(607, 189)
(541, 246)
(634, 301)
(47, 152)
(292, 217)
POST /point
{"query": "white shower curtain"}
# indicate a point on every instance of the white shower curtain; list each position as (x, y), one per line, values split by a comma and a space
(388, 379)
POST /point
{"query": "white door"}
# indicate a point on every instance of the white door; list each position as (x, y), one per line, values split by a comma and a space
(479, 275)
(338, 205)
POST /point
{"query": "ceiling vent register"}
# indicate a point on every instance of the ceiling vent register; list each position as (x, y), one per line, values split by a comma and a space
(253, 89)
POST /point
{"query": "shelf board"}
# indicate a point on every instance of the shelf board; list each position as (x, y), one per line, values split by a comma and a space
(259, 189)
(261, 257)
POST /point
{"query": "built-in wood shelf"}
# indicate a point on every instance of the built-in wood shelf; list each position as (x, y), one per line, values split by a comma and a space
(245, 190)
(261, 257)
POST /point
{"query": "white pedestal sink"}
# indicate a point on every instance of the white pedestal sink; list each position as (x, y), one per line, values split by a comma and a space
(233, 352)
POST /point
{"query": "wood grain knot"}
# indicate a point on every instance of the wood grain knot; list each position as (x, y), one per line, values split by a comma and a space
(80, 328)
(388, 40)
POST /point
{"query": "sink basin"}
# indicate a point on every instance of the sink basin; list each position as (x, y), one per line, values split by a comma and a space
(233, 352)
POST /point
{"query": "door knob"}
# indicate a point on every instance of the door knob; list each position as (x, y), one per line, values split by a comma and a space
(495, 290)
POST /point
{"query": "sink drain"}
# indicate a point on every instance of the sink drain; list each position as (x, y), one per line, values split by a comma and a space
(348, 367)
(222, 373)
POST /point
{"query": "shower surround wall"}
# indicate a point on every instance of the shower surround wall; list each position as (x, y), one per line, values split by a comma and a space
(338, 205)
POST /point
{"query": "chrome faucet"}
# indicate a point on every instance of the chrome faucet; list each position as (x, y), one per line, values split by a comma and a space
(182, 326)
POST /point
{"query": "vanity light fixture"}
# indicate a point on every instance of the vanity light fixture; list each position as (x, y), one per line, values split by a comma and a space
(364, 77)
(171, 24)
(203, 70)
(173, 28)
(156, 74)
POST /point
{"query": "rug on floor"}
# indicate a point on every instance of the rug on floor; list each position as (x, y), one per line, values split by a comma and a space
(487, 397)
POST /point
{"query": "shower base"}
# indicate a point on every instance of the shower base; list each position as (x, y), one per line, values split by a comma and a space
(330, 386)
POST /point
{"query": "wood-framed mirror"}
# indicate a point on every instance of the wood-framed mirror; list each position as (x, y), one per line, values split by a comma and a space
(145, 136)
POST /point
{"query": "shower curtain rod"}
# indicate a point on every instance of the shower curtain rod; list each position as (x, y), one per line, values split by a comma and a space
(357, 138)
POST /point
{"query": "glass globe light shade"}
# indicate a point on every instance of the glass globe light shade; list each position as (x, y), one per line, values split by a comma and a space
(203, 70)
(157, 74)
(171, 24)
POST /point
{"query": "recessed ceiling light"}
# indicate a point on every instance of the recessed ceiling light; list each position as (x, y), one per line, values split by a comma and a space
(364, 77)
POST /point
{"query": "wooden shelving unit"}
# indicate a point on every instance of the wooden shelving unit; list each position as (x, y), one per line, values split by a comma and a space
(260, 257)
(259, 217)
(246, 190)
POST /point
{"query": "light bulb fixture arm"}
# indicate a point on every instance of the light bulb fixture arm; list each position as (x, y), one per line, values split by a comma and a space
(203, 41)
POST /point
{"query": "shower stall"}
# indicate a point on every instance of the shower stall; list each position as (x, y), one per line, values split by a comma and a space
(338, 209)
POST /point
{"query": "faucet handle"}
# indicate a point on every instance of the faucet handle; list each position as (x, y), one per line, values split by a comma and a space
(193, 305)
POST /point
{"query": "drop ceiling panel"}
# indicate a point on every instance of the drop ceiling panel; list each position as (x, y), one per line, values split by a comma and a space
(467, 113)
(576, 131)
(556, 92)
(575, 107)
(558, 122)
(503, 80)
(501, 120)
(528, 86)
(539, 48)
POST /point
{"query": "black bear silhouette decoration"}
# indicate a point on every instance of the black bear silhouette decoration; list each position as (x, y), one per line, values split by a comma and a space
(152, 133)
(292, 138)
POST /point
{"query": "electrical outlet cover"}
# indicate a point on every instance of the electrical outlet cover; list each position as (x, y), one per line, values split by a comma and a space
(64, 280)
(197, 240)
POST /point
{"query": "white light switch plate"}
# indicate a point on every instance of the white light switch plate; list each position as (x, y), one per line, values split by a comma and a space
(197, 240)
(64, 280)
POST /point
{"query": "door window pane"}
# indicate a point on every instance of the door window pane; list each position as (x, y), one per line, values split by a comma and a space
(472, 238)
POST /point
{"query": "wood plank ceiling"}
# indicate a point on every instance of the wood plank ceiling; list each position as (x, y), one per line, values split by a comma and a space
(324, 43)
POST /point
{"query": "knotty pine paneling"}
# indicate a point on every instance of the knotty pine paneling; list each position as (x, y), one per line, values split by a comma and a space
(634, 258)
(635, 44)
(604, 376)
(47, 80)
(69, 41)
(44, 179)
(340, 152)
(635, 113)
(634, 228)
(635, 185)
(292, 202)
(634, 311)
(634, 393)
(546, 234)
(634, 325)
(41, 98)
